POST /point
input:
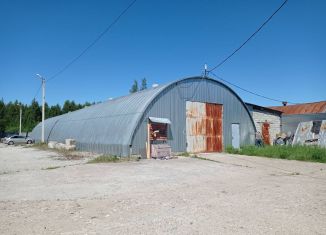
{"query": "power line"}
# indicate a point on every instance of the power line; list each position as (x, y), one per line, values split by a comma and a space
(251, 92)
(252, 35)
(93, 43)
(36, 93)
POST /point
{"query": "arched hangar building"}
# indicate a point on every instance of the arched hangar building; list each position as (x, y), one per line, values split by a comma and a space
(191, 115)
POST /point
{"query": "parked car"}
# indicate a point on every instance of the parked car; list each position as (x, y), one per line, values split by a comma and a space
(18, 139)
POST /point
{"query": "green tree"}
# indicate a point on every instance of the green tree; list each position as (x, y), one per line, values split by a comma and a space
(80, 106)
(55, 110)
(66, 106)
(87, 104)
(32, 115)
(47, 110)
(2, 116)
(73, 106)
(143, 84)
(12, 116)
(70, 106)
(134, 87)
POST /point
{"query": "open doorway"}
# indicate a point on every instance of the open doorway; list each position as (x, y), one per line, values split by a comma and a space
(157, 137)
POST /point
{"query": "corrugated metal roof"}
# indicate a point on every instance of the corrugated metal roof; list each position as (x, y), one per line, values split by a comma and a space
(94, 124)
(316, 107)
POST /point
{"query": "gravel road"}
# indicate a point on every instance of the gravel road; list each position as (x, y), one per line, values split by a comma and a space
(225, 194)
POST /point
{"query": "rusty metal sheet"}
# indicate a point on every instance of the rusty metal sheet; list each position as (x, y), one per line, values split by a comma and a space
(196, 144)
(322, 134)
(204, 127)
(303, 133)
(317, 107)
(213, 127)
(196, 126)
(308, 134)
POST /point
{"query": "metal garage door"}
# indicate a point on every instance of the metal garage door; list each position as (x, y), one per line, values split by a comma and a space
(203, 127)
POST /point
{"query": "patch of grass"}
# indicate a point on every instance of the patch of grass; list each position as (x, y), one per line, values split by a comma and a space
(66, 154)
(51, 168)
(69, 154)
(41, 146)
(104, 159)
(114, 159)
(230, 149)
(77, 155)
(184, 154)
(300, 153)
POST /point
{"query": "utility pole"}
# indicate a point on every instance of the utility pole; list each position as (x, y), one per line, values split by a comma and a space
(20, 119)
(43, 104)
(205, 71)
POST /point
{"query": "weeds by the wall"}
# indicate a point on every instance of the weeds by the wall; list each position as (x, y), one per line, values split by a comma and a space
(104, 159)
(184, 154)
(114, 159)
(300, 153)
(41, 146)
(65, 154)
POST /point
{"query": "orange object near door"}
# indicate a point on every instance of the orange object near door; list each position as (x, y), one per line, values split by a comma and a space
(265, 133)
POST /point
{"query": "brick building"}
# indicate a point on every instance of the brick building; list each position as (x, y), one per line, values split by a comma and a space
(267, 121)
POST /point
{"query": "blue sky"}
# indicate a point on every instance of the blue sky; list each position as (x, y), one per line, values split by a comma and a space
(161, 41)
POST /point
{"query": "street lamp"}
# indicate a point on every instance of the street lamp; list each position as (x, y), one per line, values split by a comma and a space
(20, 119)
(43, 104)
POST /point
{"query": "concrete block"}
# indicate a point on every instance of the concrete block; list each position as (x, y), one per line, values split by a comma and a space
(70, 142)
(70, 147)
(60, 146)
(52, 144)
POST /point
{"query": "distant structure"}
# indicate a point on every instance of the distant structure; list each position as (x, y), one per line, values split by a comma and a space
(305, 108)
(292, 115)
(272, 121)
(267, 121)
(194, 114)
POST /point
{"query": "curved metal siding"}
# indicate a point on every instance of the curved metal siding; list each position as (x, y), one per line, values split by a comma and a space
(171, 103)
(48, 126)
(110, 127)
(105, 127)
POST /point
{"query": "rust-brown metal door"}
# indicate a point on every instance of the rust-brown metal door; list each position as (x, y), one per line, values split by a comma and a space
(196, 127)
(265, 133)
(204, 127)
(213, 127)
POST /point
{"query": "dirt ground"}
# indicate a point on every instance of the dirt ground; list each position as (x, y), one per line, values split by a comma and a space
(227, 194)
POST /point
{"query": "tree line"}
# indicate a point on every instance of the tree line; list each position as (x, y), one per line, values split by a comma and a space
(31, 114)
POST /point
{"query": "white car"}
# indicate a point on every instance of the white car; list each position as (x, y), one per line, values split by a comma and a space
(18, 139)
